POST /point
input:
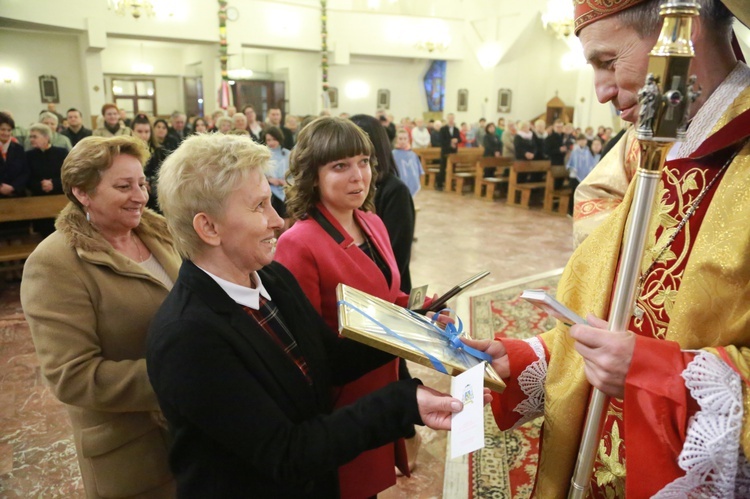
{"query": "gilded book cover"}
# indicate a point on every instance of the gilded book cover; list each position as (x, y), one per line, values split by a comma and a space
(401, 332)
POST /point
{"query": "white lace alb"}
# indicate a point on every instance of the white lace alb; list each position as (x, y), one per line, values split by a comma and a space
(711, 457)
(531, 381)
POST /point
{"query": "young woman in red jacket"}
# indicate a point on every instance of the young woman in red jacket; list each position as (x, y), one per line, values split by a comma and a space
(337, 239)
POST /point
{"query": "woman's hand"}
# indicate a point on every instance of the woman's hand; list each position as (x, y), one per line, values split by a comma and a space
(436, 408)
(529, 155)
(606, 354)
(47, 185)
(494, 349)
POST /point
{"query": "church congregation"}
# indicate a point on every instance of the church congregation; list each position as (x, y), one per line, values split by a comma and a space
(172, 238)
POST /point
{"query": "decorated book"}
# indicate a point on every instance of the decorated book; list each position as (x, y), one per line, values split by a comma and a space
(380, 324)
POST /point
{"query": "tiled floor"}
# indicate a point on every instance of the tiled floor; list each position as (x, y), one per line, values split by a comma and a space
(457, 237)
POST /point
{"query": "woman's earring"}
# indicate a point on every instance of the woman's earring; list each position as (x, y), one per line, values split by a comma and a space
(88, 216)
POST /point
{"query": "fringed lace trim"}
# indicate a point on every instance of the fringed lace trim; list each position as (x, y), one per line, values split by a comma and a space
(711, 457)
(531, 381)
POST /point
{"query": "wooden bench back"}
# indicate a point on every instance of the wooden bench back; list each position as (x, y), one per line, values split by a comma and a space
(428, 155)
(531, 166)
(30, 208)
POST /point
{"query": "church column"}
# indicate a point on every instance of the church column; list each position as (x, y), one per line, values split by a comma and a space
(91, 43)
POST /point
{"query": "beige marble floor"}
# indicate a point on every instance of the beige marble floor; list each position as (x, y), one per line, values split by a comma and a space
(457, 237)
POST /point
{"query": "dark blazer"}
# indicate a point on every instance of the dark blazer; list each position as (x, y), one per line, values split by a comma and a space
(552, 145)
(523, 146)
(445, 139)
(395, 206)
(245, 421)
(13, 169)
(75, 138)
(492, 145)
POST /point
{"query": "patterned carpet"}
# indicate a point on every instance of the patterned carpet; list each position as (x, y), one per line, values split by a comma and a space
(506, 467)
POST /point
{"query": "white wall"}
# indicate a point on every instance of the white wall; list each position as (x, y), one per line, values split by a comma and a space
(403, 77)
(33, 54)
(302, 75)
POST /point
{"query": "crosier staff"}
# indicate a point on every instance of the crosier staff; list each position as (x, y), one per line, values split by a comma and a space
(664, 102)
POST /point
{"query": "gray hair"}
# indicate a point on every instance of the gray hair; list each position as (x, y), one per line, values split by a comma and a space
(645, 20)
(46, 114)
(177, 114)
(41, 128)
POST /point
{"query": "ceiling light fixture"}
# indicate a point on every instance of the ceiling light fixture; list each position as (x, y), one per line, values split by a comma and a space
(135, 8)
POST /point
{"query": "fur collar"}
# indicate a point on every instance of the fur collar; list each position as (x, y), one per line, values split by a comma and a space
(79, 233)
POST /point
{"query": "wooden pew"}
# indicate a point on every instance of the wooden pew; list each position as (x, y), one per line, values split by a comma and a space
(461, 166)
(430, 159)
(524, 188)
(556, 199)
(489, 184)
(26, 209)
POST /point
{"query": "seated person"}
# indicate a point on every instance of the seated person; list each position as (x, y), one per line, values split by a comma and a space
(44, 161)
(13, 170)
(241, 363)
(56, 139)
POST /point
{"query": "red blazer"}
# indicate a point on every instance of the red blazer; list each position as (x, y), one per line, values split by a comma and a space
(321, 254)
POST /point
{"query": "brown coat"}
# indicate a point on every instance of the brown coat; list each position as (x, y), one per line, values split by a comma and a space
(89, 308)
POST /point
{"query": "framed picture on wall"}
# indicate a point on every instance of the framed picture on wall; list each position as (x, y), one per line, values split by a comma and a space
(504, 98)
(463, 100)
(384, 98)
(48, 89)
(333, 97)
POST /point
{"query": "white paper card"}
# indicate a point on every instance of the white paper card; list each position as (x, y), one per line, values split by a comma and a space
(467, 427)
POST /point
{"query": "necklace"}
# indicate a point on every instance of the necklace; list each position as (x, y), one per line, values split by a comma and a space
(137, 246)
(638, 311)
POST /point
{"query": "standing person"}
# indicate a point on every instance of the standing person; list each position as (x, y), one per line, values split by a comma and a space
(420, 136)
(450, 136)
(89, 292)
(493, 148)
(278, 169)
(112, 126)
(435, 133)
(336, 239)
(500, 129)
(142, 129)
(579, 165)
(224, 125)
(14, 173)
(410, 169)
(509, 140)
(177, 131)
(242, 364)
(291, 122)
(254, 128)
(200, 125)
(160, 131)
(524, 144)
(480, 131)
(540, 136)
(393, 201)
(678, 373)
(75, 131)
(274, 119)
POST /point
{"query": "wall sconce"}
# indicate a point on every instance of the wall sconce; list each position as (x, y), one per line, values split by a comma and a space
(8, 75)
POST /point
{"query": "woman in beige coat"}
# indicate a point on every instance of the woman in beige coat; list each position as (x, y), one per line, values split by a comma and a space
(89, 292)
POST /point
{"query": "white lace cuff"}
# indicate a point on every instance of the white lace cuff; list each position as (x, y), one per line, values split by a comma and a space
(531, 381)
(711, 457)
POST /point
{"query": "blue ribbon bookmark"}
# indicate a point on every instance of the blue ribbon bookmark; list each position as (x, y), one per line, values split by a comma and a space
(453, 335)
(435, 362)
(450, 333)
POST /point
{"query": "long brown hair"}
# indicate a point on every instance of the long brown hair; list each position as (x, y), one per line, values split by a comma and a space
(324, 140)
